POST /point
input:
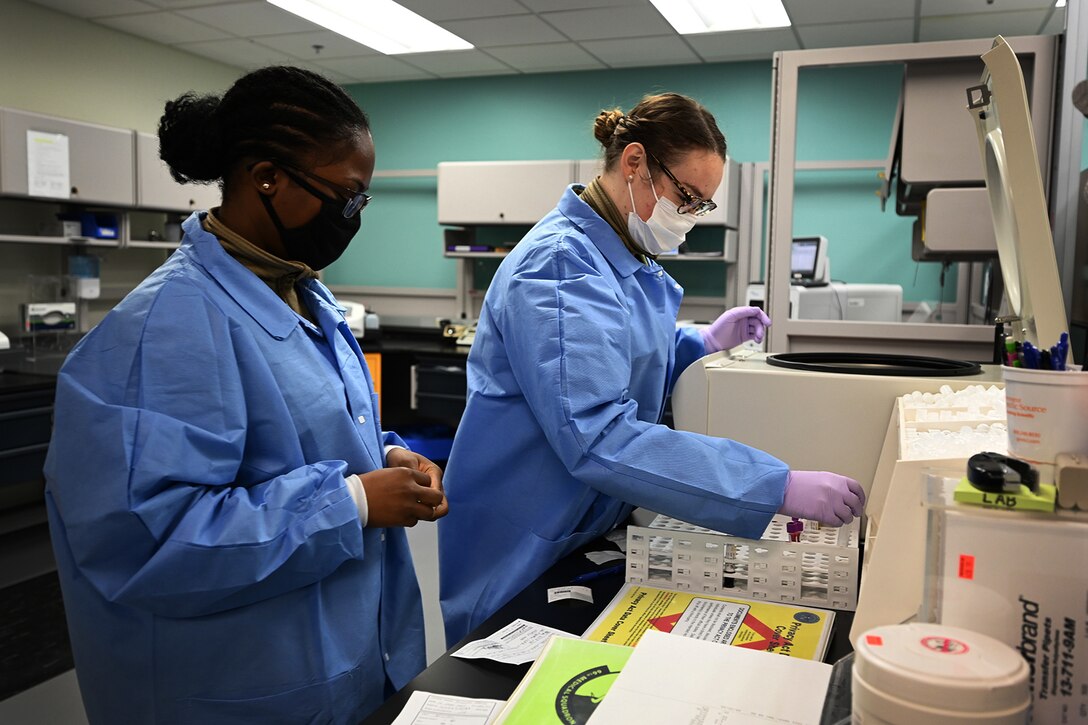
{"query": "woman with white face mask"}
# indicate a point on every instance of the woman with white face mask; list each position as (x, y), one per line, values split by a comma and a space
(575, 353)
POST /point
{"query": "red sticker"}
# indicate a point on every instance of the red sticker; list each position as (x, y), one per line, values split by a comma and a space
(967, 566)
(874, 639)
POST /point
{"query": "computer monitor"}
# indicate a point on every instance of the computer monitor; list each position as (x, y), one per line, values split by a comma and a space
(1029, 267)
(808, 260)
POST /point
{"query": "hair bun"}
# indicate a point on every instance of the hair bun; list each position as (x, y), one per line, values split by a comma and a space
(190, 141)
(604, 128)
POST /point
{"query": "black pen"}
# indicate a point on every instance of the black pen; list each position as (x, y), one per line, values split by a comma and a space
(590, 576)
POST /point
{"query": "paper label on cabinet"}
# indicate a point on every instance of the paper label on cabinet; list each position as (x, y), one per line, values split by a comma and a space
(47, 165)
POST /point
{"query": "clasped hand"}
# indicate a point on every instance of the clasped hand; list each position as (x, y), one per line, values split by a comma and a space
(408, 491)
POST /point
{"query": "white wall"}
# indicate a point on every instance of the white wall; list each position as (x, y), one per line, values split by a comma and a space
(64, 66)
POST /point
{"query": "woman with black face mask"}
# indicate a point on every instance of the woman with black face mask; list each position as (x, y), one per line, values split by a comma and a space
(224, 506)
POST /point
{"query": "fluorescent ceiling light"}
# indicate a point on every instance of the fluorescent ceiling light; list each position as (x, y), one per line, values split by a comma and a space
(716, 16)
(383, 25)
(1060, 4)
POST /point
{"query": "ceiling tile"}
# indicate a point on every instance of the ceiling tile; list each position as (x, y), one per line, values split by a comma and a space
(436, 10)
(977, 7)
(164, 27)
(301, 45)
(629, 52)
(841, 35)
(546, 57)
(544, 6)
(374, 69)
(96, 8)
(239, 52)
(984, 25)
(174, 4)
(455, 63)
(604, 23)
(249, 19)
(508, 30)
(807, 12)
(742, 44)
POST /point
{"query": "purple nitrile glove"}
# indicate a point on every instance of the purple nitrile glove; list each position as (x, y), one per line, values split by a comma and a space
(825, 497)
(733, 327)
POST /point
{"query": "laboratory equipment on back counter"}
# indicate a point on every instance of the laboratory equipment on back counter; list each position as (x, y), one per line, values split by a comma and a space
(809, 265)
(361, 322)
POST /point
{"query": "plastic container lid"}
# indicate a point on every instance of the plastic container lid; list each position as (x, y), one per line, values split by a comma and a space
(941, 667)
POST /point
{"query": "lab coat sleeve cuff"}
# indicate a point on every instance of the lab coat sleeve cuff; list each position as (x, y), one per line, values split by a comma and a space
(358, 495)
(391, 446)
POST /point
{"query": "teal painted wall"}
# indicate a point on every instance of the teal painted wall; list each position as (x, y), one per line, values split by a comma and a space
(844, 113)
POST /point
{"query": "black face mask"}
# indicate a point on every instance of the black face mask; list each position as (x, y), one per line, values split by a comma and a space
(320, 241)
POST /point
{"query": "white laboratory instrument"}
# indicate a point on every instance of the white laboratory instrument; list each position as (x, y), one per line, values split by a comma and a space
(5, 343)
(839, 301)
(819, 421)
(358, 319)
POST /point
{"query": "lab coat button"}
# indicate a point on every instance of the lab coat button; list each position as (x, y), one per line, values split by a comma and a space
(660, 273)
(362, 419)
(383, 536)
(386, 656)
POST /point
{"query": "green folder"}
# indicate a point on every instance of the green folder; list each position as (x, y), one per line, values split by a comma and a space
(565, 683)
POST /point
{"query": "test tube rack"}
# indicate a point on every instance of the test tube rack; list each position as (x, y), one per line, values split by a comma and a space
(819, 570)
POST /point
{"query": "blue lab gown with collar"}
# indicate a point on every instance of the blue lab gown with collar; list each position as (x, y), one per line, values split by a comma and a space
(212, 562)
(575, 353)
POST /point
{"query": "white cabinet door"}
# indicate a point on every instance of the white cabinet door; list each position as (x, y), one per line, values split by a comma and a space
(100, 159)
(156, 189)
(500, 192)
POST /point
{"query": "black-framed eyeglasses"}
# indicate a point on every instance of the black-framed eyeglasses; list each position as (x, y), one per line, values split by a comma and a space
(692, 204)
(356, 200)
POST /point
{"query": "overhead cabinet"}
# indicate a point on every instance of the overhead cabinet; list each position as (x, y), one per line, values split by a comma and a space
(500, 192)
(96, 162)
(156, 189)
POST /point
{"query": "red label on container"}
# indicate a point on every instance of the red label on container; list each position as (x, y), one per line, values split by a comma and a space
(945, 645)
(874, 639)
(967, 566)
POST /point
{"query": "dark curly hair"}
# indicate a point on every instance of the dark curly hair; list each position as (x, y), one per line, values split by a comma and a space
(278, 112)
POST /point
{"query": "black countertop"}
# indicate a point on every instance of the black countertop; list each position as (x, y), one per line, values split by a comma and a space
(18, 382)
(480, 678)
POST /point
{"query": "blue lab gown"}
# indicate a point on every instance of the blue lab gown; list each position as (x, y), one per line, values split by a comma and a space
(575, 353)
(212, 562)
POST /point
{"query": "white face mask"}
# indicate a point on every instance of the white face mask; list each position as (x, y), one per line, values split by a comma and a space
(666, 228)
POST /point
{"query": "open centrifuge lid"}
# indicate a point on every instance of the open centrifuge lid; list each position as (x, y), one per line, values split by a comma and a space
(999, 106)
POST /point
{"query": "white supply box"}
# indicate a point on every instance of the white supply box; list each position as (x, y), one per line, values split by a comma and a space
(819, 570)
(1020, 578)
(926, 431)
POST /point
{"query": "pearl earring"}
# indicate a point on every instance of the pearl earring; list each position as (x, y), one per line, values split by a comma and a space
(266, 185)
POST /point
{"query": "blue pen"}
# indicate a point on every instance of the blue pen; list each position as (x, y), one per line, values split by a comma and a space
(590, 576)
(1029, 355)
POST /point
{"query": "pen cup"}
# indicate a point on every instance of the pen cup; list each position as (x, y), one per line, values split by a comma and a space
(1047, 414)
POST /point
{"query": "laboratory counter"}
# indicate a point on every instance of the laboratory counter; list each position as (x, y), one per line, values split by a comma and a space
(482, 678)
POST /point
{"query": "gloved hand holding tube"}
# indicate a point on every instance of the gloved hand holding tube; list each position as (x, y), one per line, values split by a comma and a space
(821, 496)
(733, 327)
